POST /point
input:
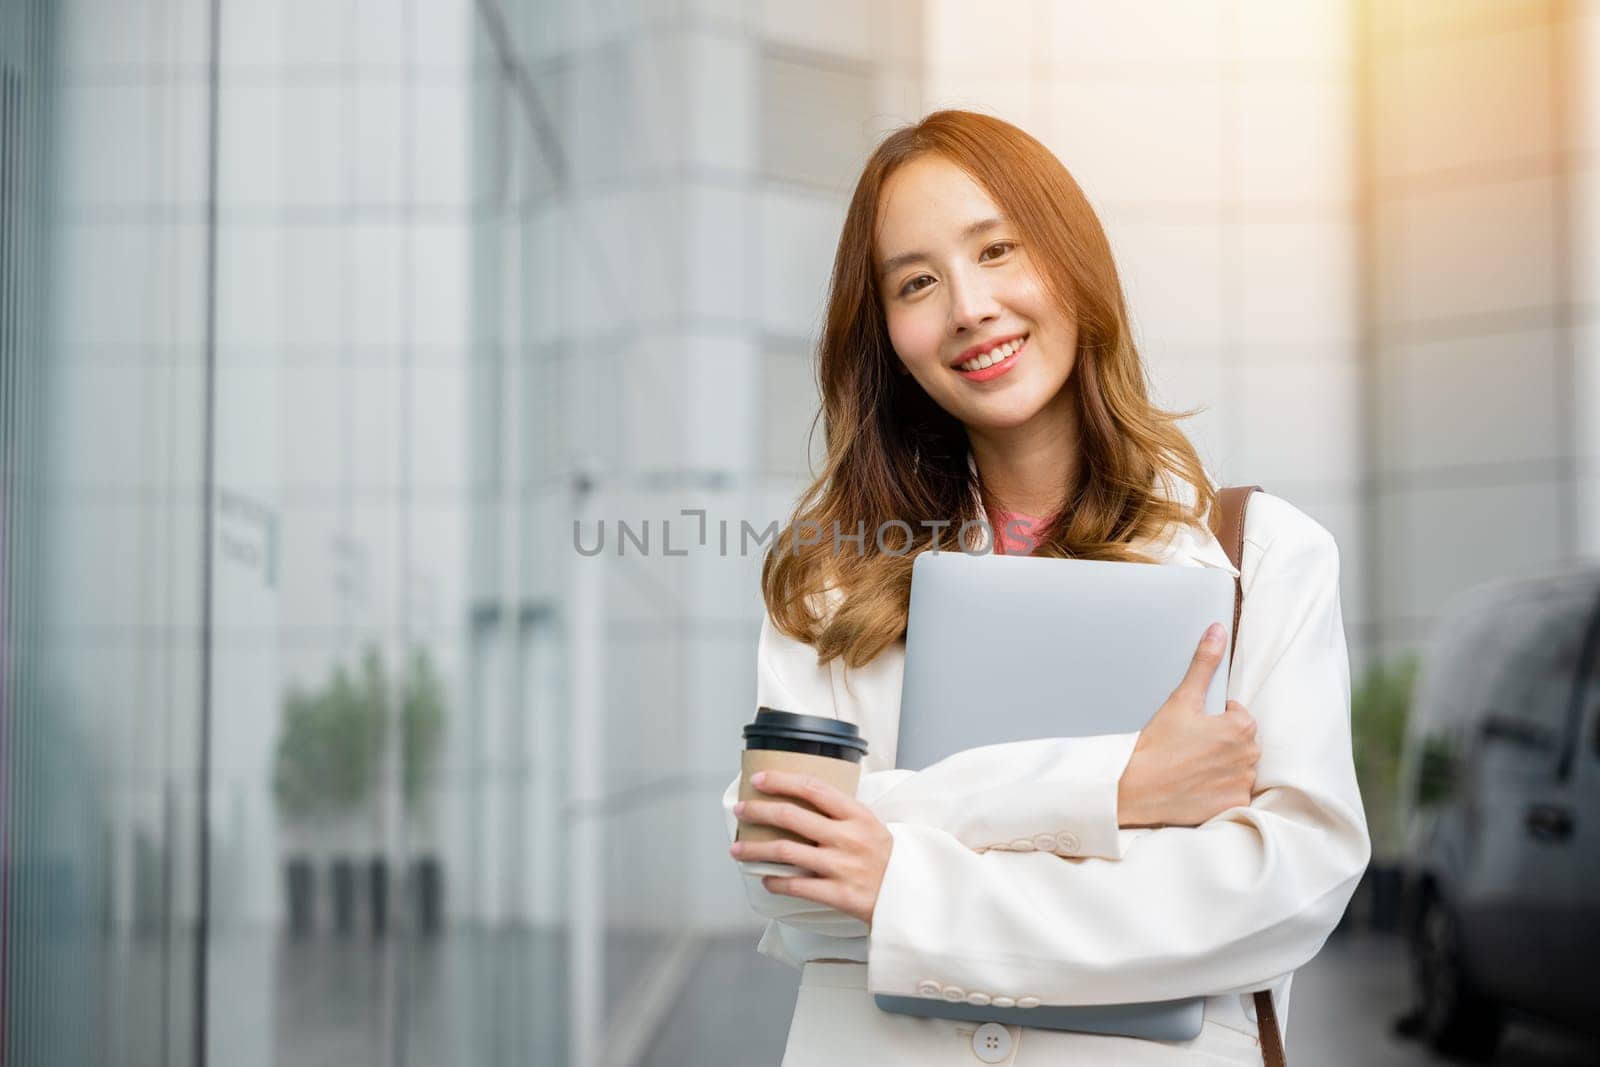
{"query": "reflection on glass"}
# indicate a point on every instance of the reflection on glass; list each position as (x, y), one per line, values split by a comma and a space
(271, 794)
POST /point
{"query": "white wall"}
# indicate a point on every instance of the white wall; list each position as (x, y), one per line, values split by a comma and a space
(1483, 201)
(1215, 140)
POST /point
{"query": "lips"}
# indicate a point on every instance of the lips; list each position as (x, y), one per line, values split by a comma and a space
(976, 352)
(993, 363)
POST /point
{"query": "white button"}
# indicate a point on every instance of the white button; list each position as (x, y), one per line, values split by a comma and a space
(980, 999)
(929, 988)
(1022, 844)
(954, 994)
(1004, 1002)
(1066, 842)
(1028, 1002)
(1045, 842)
(992, 1043)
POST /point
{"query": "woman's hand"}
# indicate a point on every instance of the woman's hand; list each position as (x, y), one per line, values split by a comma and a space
(851, 851)
(1188, 766)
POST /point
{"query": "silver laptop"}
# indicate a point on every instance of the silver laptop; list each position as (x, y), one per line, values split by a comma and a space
(1051, 648)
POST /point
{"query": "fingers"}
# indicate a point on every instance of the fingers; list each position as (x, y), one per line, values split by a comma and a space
(1204, 664)
(814, 791)
(1241, 719)
(1245, 726)
(821, 890)
(794, 853)
(791, 817)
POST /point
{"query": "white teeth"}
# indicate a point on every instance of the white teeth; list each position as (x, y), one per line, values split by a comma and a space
(993, 356)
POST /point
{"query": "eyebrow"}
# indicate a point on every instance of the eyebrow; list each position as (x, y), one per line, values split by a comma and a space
(973, 229)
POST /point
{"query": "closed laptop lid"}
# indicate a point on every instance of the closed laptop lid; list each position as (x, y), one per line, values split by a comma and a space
(1013, 648)
(1167, 1020)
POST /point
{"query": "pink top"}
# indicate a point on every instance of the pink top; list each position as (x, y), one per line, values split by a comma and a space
(1015, 540)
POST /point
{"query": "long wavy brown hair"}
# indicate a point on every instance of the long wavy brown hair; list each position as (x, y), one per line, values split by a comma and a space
(893, 454)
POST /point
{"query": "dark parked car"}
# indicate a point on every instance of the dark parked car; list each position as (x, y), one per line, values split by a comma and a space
(1500, 787)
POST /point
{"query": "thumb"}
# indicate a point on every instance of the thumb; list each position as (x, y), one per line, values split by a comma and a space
(1204, 664)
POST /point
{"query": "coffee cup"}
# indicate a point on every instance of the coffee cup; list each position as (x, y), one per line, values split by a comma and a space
(829, 749)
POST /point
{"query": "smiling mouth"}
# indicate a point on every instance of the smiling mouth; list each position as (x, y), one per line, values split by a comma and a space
(990, 363)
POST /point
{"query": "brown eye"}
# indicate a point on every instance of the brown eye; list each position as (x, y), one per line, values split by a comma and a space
(906, 290)
(1007, 245)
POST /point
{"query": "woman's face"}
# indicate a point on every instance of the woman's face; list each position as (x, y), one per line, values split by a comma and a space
(968, 314)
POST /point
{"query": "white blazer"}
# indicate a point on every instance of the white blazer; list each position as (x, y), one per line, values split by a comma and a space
(1009, 878)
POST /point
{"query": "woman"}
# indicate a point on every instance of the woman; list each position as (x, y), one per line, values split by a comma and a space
(1201, 856)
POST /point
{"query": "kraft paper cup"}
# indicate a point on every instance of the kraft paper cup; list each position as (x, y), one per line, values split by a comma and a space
(829, 749)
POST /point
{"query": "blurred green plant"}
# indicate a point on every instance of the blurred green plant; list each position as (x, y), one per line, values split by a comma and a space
(1379, 705)
(330, 749)
(1437, 778)
(423, 709)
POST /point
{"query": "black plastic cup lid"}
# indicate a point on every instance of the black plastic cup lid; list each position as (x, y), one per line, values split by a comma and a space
(770, 722)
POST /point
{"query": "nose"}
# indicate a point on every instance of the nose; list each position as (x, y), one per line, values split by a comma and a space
(972, 304)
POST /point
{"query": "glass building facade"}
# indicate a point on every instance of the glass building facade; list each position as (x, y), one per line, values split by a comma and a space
(330, 331)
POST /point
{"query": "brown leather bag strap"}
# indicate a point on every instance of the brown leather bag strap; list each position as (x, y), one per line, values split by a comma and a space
(1267, 1026)
(1228, 525)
